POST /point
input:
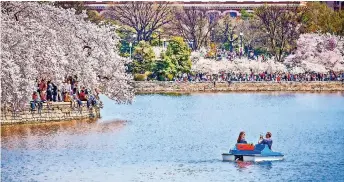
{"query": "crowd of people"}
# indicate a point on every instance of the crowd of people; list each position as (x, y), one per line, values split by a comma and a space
(70, 91)
(264, 76)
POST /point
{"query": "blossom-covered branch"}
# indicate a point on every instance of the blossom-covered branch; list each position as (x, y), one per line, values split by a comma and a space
(42, 41)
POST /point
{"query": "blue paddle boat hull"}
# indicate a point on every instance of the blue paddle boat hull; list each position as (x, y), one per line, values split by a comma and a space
(260, 153)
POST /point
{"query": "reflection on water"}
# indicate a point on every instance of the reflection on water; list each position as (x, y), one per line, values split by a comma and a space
(14, 136)
(167, 94)
(181, 138)
(243, 164)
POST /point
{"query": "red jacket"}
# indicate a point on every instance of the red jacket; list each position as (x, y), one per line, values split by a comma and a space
(82, 96)
(34, 96)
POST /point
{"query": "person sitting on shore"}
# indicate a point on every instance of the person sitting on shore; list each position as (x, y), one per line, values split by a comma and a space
(241, 138)
(59, 96)
(267, 140)
(76, 100)
(42, 86)
(34, 96)
(82, 96)
(43, 96)
(34, 100)
(49, 91)
(67, 97)
(91, 101)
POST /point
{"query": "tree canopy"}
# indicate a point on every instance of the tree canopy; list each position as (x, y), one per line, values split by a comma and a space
(41, 41)
(144, 17)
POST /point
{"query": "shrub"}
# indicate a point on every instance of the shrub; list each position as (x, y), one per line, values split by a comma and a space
(170, 77)
(212, 52)
(161, 78)
(140, 77)
(177, 56)
(143, 57)
(148, 73)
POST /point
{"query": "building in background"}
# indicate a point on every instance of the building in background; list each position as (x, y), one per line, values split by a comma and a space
(212, 8)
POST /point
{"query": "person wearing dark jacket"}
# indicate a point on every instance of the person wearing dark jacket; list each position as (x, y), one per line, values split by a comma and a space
(241, 138)
(267, 140)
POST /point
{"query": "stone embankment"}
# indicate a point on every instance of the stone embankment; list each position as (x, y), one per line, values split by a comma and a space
(56, 111)
(189, 87)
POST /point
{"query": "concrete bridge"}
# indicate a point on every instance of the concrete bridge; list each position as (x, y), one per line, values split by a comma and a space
(212, 8)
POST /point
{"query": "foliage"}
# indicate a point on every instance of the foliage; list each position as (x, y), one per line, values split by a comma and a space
(143, 57)
(320, 18)
(253, 35)
(77, 5)
(245, 15)
(162, 68)
(126, 37)
(156, 40)
(224, 29)
(212, 51)
(178, 54)
(41, 41)
(144, 17)
(282, 27)
(194, 26)
(94, 17)
(140, 77)
(170, 77)
(175, 60)
(340, 30)
(148, 74)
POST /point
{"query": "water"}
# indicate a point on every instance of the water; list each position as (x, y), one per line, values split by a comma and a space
(181, 138)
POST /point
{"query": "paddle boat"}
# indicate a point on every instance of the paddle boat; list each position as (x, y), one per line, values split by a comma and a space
(250, 152)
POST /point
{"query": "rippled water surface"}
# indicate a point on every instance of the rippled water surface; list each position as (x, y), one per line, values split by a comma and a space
(181, 138)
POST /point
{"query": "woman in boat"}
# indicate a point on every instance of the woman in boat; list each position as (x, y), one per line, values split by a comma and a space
(241, 138)
(267, 140)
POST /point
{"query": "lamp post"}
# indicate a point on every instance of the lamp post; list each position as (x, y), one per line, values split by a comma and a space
(212, 34)
(248, 51)
(131, 45)
(241, 49)
(231, 40)
(159, 32)
(163, 43)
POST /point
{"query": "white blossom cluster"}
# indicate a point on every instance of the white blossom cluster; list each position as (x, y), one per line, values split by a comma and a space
(314, 53)
(41, 41)
(237, 66)
(317, 52)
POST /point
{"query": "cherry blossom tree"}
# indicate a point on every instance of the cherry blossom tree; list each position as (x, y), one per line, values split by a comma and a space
(317, 52)
(243, 65)
(39, 40)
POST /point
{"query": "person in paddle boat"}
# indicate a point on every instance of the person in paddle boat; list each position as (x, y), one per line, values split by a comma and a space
(241, 138)
(267, 140)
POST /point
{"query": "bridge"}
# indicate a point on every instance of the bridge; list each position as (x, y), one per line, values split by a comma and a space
(211, 8)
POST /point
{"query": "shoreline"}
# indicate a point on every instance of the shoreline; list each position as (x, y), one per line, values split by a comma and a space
(176, 93)
(159, 87)
(55, 112)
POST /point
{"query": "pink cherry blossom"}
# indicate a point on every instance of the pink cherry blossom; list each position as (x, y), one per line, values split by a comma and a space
(317, 52)
(39, 40)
